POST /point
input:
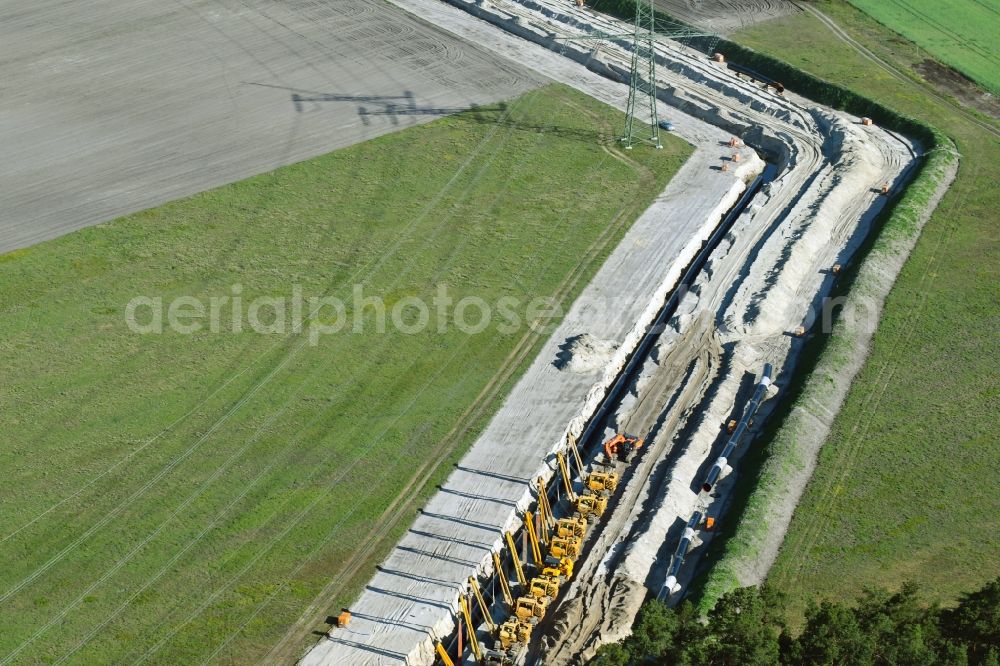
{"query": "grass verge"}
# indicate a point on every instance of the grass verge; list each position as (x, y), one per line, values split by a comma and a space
(182, 498)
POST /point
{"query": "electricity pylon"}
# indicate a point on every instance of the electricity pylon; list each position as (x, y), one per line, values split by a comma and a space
(642, 79)
(640, 110)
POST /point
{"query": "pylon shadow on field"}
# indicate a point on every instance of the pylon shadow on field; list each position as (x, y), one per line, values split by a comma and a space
(396, 107)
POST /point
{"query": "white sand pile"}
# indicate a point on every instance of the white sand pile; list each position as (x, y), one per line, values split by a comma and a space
(585, 353)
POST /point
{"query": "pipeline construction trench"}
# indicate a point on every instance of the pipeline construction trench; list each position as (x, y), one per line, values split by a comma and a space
(754, 302)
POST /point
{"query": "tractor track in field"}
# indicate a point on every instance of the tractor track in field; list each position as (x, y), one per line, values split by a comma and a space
(725, 15)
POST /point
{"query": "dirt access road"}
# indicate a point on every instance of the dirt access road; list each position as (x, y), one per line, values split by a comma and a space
(112, 107)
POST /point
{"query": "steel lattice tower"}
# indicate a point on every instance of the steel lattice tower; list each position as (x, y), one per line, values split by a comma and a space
(640, 109)
(641, 106)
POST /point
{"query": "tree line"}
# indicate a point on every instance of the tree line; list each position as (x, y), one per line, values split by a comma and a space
(747, 628)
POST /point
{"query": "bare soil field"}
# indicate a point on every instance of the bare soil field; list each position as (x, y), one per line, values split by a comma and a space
(112, 107)
(958, 86)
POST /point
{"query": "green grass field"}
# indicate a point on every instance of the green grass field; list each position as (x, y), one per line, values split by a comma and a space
(960, 33)
(905, 488)
(182, 498)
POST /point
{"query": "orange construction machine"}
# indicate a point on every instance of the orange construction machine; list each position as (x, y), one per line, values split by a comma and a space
(622, 447)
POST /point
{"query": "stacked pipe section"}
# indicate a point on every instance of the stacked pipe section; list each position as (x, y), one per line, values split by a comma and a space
(721, 467)
(688, 538)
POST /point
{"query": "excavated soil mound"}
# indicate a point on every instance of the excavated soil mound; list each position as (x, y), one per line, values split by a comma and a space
(585, 353)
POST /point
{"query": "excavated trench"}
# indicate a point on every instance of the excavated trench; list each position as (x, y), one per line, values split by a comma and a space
(659, 395)
(655, 410)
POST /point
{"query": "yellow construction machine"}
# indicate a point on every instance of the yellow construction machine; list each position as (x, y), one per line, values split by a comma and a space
(443, 654)
(602, 483)
(549, 567)
(543, 586)
(590, 507)
(576, 527)
(512, 637)
(512, 632)
(561, 547)
(530, 609)
(558, 568)
(463, 605)
(496, 658)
